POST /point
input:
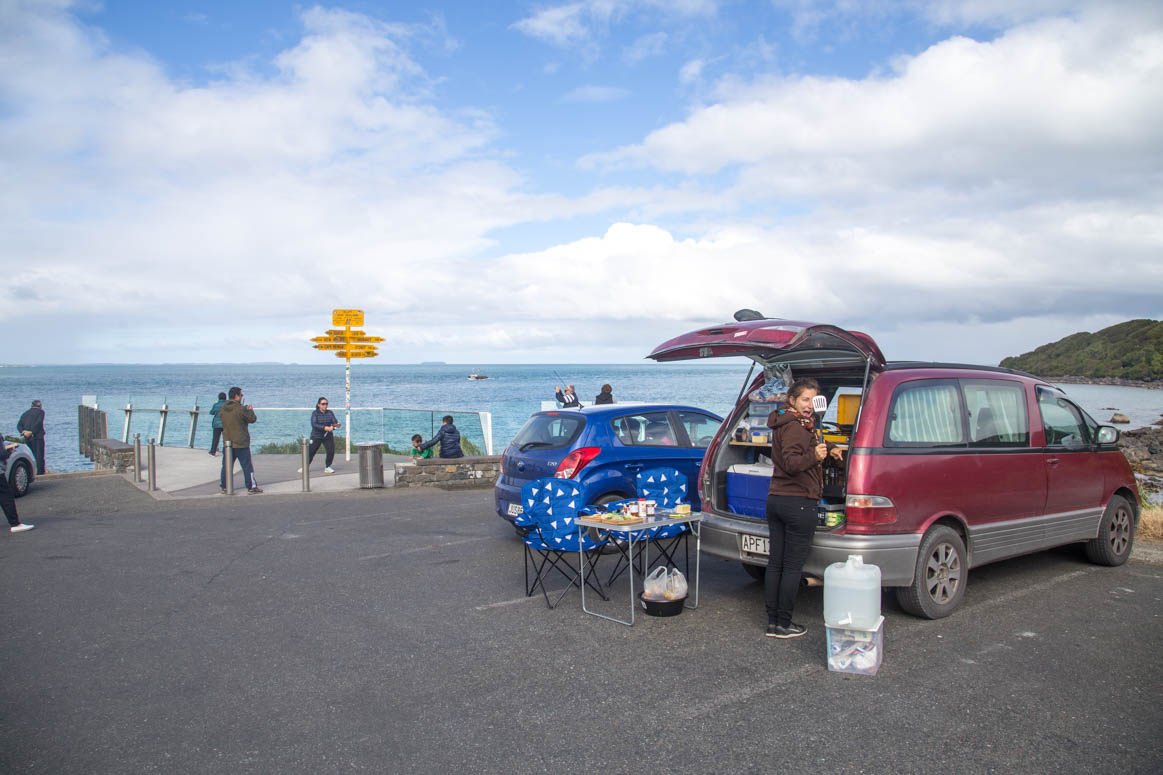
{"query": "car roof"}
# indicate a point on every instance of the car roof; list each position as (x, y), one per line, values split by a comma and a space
(608, 409)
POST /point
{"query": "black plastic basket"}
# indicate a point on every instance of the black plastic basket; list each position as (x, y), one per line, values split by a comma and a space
(662, 607)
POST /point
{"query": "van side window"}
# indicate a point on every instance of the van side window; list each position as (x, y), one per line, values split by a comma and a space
(926, 413)
(997, 413)
(1061, 420)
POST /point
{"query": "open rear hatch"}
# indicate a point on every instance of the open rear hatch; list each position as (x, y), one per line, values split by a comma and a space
(812, 346)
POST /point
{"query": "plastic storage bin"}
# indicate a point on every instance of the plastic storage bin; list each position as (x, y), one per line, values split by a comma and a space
(747, 485)
(852, 650)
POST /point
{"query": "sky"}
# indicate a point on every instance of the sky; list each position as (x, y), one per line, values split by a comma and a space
(573, 182)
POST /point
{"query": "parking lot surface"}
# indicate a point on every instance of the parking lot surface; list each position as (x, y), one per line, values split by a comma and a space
(388, 631)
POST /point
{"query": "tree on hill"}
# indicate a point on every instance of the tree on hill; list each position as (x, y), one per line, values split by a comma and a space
(1131, 350)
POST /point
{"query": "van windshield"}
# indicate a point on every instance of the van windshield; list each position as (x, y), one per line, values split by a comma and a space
(549, 431)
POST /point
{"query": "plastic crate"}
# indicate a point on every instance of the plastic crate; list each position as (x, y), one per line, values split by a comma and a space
(852, 650)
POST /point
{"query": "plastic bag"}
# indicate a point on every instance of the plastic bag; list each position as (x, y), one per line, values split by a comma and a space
(676, 586)
(656, 584)
(774, 390)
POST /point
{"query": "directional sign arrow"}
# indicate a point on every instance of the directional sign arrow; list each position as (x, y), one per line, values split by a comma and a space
(344, 332)
(362, 338)
(356, 354)
(331, 346)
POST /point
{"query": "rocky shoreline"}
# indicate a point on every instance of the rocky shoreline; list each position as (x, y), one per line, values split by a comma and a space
(1150, 384)
(1143, 448)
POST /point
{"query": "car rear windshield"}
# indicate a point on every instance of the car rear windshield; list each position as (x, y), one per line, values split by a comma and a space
(549, 431)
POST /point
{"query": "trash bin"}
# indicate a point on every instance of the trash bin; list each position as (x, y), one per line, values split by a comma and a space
(371, 465)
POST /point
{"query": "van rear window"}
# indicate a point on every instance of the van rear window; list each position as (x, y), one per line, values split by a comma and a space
(926, 413)
(549, 431)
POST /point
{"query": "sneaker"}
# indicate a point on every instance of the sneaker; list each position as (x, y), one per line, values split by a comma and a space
(299, 471)
(213, 454)
(222, 490)
(328, 470)
(22, 528)
(254, 490)
(792, 630)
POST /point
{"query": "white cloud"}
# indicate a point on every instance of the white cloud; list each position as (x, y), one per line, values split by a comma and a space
(580, 24)
(645, 47)
(691, 71)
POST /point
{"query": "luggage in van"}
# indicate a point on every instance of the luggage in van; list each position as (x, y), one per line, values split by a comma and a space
(747, 485)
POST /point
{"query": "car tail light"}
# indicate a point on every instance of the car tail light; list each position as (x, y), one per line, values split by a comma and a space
(576, 461)
(869, 509)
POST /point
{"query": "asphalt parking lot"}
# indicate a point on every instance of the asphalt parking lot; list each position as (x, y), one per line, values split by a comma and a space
(387, 631)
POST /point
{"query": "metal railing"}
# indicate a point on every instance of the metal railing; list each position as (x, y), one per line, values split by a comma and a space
(391, 425)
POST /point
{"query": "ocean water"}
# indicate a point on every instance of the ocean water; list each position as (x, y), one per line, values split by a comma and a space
(416, 395)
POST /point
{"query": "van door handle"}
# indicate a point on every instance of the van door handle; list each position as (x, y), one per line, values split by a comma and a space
(1052, 461)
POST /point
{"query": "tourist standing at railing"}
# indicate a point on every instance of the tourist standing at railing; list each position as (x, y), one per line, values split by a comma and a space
(567, 399)
(235, 419)
(31, 427)
(216, 423)
(323, 422)
(7, 501)
(449, 438)
(606, 396)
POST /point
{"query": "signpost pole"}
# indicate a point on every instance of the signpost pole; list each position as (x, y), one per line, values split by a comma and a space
(347, 401)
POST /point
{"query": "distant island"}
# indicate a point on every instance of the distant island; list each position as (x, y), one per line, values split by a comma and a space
(433, 363)
(1129, 353)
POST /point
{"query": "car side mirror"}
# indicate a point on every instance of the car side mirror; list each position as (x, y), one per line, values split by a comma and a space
(1108, 434)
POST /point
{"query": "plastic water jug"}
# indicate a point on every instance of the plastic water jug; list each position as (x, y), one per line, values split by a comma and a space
(852, 594)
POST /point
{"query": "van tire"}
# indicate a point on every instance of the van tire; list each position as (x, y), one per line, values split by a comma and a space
(1116, 534)
(757, 572)
(940, 576)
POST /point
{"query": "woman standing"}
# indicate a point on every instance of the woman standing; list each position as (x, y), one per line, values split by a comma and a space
(792, 503)
(216, 423)
(606, 396)
(323, 422)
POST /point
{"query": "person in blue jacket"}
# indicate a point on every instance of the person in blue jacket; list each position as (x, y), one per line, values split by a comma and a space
(323, 423)
(216, 423)
(449, 438)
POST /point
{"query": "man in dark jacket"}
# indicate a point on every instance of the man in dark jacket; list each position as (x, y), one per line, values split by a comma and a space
(31, 427)
(449, 438)
(568, 399)
(235, 419)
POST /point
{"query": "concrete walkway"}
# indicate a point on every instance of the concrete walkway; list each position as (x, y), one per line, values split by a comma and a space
(193, 473)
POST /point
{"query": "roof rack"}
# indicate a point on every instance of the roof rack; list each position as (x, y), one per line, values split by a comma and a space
(893, 365)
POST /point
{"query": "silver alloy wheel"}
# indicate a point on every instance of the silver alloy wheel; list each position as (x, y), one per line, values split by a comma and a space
(1120, 529)
(20, 479)
(943, 573)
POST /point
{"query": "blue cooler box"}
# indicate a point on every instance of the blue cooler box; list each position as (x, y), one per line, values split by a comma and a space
(747, 485)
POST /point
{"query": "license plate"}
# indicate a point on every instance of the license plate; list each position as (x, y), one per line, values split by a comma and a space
(754, 544)
(515, 510)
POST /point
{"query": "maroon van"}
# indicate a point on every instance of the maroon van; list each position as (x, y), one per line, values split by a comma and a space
(949, 466)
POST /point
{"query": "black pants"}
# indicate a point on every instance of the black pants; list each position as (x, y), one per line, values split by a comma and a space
(8, 502)
(791, 523)
(36, 445)
(215, 440)
(328, 443)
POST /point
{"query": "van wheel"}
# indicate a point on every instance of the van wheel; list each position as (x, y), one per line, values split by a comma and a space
(1116, 534)
(757, 572)
(940, 576)
(20, 477)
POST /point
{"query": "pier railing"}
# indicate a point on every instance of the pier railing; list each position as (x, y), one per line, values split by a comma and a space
(188, 423)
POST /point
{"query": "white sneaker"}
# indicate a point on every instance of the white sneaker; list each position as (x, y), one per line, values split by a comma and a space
(21, 528)
(328, 470)
(299, 471)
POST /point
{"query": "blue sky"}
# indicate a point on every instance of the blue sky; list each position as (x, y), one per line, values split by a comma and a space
(574, 181)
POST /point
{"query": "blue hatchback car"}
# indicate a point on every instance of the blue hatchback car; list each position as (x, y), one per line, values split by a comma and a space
(603, 448)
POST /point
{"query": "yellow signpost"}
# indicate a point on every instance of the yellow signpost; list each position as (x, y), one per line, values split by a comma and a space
(347, 343)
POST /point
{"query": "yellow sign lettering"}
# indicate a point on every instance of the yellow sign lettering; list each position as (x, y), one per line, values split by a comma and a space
(347, 317)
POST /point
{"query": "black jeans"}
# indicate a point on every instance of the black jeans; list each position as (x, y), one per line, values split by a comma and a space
(36, 446)
(8, 502)
(242, 457)
(214, 440)
(328, 443)
(791, 523)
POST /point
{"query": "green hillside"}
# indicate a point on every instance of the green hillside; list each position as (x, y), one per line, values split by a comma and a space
(1131, 350)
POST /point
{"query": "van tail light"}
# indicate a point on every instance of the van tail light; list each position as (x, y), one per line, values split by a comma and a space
(576, 461)
(869, 509)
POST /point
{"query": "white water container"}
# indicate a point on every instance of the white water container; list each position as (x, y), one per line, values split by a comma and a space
(852, 594)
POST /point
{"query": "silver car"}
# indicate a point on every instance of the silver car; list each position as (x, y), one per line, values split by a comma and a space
(20, 468)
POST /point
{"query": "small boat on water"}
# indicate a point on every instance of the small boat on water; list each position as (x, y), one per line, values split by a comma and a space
(477, 375)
